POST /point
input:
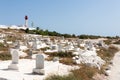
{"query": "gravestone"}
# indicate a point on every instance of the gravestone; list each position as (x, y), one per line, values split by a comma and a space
(88, 45)
(59, 48)
(30, 54)
(34, 46)
(15, 58)
(17, 46)
(39, 65)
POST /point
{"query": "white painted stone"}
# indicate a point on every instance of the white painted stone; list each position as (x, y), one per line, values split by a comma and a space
(15, 58)
(39, 61)
(39, 65)
(30, 54)
(34, 46)
(59, 48)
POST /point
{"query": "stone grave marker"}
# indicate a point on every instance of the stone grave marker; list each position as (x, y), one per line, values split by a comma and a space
(30, 54)
(15, 58)
(39, 65)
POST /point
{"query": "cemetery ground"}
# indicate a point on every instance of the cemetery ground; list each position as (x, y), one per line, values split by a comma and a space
(58, 63)
(84, 73)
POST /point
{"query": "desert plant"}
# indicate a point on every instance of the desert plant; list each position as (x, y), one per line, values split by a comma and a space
(61, 54)
(67, 61)
(107, 54)
(108, 41)
(1, 45)
(49, 58)
(117, 42)
(83, 73)
(5, 56)
(58, 77)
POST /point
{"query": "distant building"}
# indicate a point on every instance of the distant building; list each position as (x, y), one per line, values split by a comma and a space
(26, 21)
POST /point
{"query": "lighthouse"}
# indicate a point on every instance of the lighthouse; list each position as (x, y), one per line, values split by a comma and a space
(26, 21)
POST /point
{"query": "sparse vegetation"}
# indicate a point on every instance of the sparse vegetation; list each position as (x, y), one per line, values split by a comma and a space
(67, 61)
(5, 56)
(89, 37)
(57, 77)
(84, 73)
(49, 58)
(65, 57)
(117, 42)
(108, 41)
(107, 54)
(27, 30)
(61, 54)
(2, 45)
(44, 49)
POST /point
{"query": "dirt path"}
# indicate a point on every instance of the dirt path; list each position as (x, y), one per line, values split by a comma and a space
(115, 69)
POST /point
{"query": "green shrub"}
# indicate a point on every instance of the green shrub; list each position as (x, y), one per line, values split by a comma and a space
(61, 54)
(84, 73)
(1, 45)
(57, 77)
(67, 61)
(117, 42)
(107, 54)
(5, 56)
(108, 41)
(44, 49)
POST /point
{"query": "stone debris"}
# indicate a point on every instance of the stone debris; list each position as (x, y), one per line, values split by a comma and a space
(88, 56)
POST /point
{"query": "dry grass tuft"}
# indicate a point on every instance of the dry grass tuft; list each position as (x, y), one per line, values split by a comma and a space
(67, 61)
(5, 56)
(61, 54)
(49, 58)
(84, 73)
(107, 54)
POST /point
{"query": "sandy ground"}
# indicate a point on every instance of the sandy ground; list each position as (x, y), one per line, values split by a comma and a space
(115, 69)
(25, 70)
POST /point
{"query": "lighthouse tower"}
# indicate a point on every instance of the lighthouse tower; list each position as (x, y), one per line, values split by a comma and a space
(26, 21)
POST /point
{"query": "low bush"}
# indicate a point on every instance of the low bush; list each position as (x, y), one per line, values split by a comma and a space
(61, 54)
(117, 42)
(49, 58)
(1, 45)
(67, 61)
(44, 49)
(107, 54)
(57, 77)
(5, 56)
(84, 73)
(108, 41)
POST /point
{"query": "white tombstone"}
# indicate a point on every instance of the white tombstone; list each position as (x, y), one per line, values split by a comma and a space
(17, 45)
(15, 58)
(34, 45)
(30, 54)
(39, 65)
(59, 48)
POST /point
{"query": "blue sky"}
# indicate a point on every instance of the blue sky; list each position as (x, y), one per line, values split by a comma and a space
(93, 17)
